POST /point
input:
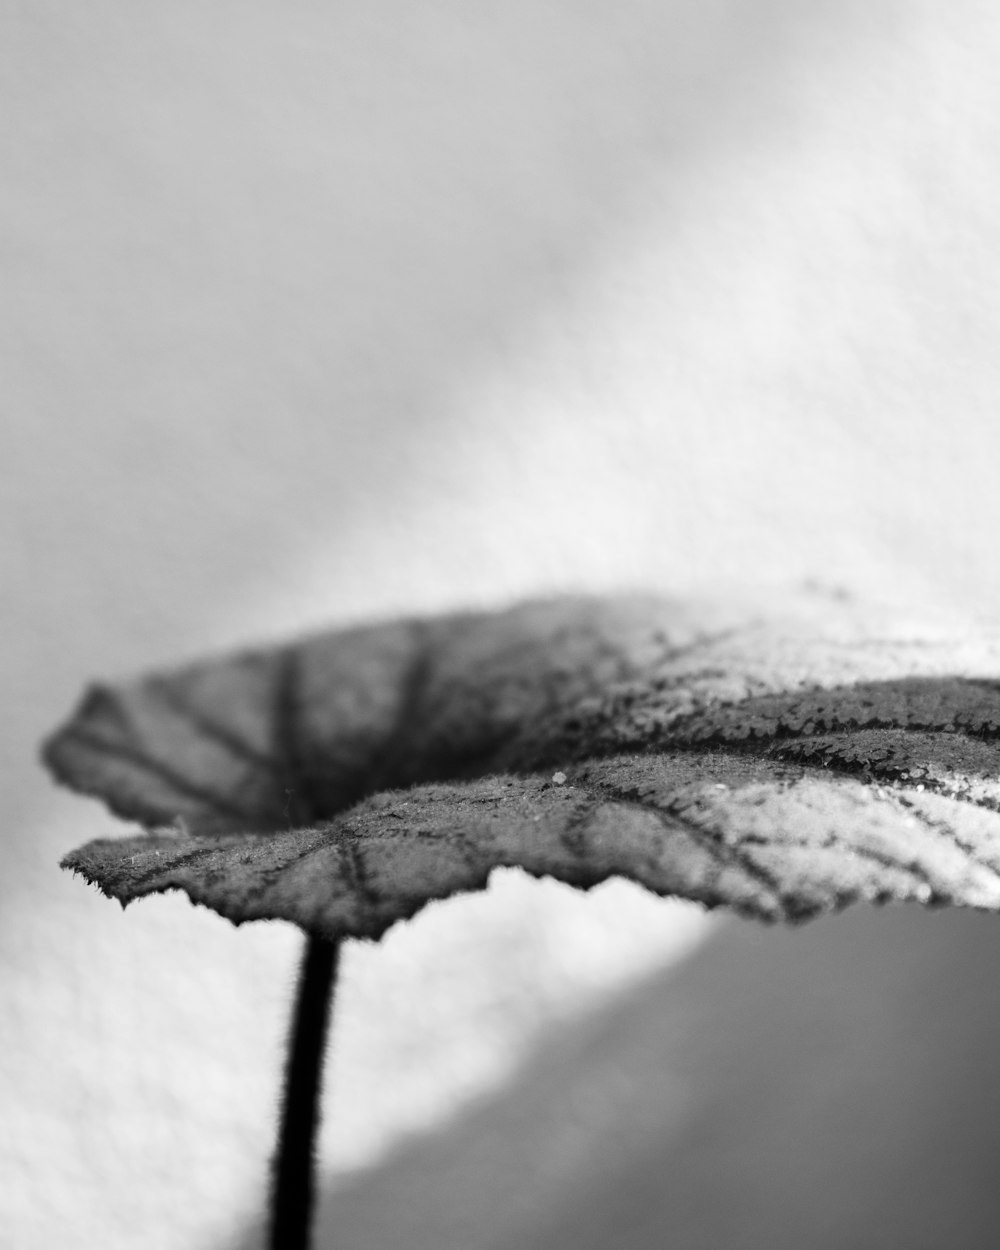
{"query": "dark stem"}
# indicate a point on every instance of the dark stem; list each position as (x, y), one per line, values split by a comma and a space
(295, 1160)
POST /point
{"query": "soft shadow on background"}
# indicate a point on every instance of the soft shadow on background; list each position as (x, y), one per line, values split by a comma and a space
(327, 312)
(836, 1086)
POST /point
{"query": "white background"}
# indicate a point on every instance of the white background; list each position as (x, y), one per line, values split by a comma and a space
(317, 312)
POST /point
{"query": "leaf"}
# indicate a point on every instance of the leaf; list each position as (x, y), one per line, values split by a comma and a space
(781, 767)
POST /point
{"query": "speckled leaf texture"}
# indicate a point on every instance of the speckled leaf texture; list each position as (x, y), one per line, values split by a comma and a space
(782, 764)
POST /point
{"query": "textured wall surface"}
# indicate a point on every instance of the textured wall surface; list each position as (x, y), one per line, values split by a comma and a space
(319, 312)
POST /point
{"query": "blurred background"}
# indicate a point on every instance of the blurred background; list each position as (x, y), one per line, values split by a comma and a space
(319, 313)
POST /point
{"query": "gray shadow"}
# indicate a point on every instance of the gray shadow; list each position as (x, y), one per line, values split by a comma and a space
(833, 1086)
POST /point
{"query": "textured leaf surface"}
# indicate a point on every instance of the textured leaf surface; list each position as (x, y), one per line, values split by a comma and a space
(782, 767)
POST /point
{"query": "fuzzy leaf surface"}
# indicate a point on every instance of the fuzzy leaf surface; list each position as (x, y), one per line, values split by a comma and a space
(782, 766)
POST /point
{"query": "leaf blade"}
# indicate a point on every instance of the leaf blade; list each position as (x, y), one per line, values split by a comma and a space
(769, 845)
(780, 769)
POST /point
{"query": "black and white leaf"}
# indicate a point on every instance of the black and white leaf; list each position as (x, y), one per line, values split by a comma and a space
(782, 766)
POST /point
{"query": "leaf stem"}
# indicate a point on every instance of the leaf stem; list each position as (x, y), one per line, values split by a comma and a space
(295, 1158)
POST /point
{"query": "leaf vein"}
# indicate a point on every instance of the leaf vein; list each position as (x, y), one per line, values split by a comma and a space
(210, 728)
(137, 757)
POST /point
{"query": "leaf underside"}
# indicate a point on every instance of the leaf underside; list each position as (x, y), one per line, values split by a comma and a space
(782, 767)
